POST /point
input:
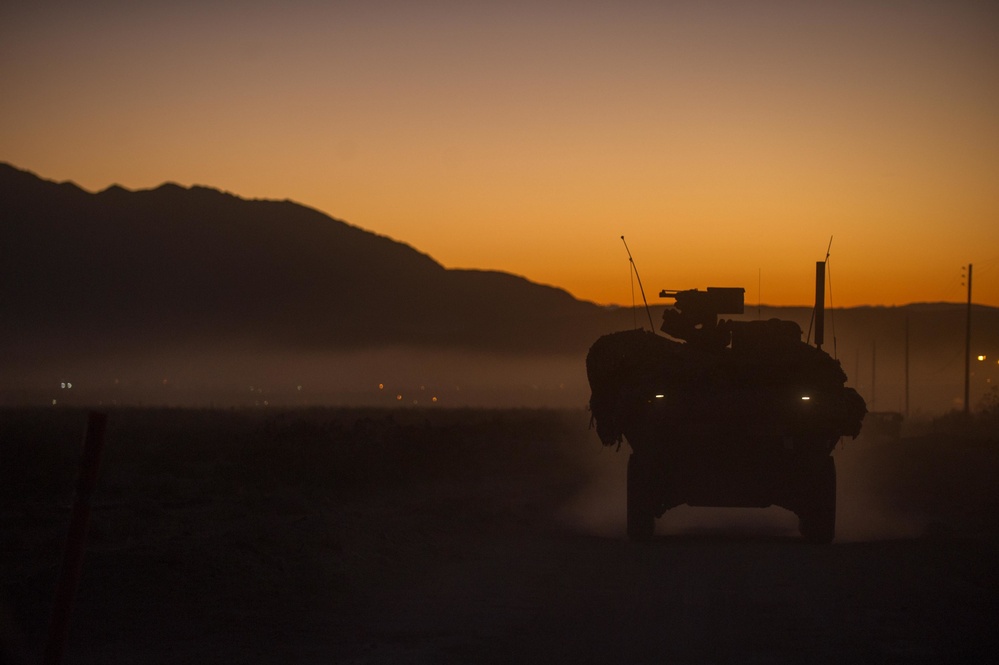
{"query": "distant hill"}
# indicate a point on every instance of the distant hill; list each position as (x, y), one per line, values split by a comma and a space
(200, 283)
(175, 265)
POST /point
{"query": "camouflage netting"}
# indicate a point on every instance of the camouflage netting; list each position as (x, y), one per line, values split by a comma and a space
(619, 366)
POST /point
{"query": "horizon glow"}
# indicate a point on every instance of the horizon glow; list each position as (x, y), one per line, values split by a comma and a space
(726, 141)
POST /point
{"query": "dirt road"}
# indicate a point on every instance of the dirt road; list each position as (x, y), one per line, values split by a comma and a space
(725, 598)
(511, 551)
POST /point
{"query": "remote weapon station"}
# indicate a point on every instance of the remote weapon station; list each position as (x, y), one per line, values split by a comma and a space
(724, 412)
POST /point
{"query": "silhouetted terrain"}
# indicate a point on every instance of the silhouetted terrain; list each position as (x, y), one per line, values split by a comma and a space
(191, 295)
(179, 265)
(419, 536)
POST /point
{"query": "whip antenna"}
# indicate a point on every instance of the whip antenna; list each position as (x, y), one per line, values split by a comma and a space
(832, 309)
(634, 269)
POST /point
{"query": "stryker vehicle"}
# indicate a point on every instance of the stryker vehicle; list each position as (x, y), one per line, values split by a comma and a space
(723, 413)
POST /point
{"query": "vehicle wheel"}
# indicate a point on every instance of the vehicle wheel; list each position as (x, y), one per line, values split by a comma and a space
(641, 504)
(817, 516)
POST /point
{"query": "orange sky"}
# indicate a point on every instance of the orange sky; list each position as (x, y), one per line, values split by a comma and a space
(726, 140)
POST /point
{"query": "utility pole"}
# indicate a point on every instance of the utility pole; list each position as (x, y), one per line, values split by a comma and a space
(967, 352)
(820, 303)
(874, 372)
(907, 365)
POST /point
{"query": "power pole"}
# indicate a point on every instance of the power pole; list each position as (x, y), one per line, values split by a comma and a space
(967, 352)
(874, 372)
(906, 365)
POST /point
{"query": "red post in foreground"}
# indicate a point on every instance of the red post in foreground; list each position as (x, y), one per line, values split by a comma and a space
(76, 542)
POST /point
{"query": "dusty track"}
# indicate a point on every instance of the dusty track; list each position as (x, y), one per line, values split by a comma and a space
(502, 549)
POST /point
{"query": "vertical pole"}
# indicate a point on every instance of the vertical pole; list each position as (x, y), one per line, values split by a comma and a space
(856, 371)
(967, 352)
(759, 294)
(874, 373)
(907, 365)
(76, 541)
(820, 302)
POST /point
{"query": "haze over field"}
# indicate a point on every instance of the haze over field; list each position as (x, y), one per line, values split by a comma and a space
(197, 297)
(727, 140)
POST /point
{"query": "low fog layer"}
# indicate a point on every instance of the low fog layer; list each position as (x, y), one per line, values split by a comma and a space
(870, 343)
(193, 296)
(389, 378)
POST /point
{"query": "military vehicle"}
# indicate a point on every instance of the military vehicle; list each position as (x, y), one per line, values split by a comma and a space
(723, 413)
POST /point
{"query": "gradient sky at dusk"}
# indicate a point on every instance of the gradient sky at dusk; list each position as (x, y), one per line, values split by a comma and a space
(726, 140)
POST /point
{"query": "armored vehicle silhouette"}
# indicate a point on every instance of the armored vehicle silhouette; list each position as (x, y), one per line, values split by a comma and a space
(723, 413)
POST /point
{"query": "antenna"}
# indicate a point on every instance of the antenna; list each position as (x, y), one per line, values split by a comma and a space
(640, 287)
(832, 309)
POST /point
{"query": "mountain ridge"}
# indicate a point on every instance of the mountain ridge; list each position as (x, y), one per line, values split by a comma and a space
(216, 261)
(204, 281)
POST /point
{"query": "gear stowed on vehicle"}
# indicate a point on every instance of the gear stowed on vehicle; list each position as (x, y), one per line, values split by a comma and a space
(723, 412)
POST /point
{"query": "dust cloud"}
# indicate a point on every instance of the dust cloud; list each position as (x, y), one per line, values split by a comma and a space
(866, 507)
(875, 502)
(598, 508)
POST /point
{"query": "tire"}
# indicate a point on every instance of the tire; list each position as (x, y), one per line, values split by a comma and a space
(641, 504)
(817, 515)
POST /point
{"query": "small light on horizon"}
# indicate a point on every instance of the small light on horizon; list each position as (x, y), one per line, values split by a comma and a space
(660, 396)
(398, 398)
(981, 357)
(381, 386)
(805, 398)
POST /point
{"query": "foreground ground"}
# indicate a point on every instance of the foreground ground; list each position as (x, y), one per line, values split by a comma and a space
(476, 536)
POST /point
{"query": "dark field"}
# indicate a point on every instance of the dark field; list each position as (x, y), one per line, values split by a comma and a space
(425, 536)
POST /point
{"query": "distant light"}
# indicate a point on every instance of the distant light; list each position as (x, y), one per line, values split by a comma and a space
(433, 399)
(805, 398)
(299, 387)
(660, 396)
(398, 397)
(53, 402)
(381, 386)
(981, 358)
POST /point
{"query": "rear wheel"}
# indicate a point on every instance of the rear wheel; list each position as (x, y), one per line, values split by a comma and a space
(817, 514)
(641, 502)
